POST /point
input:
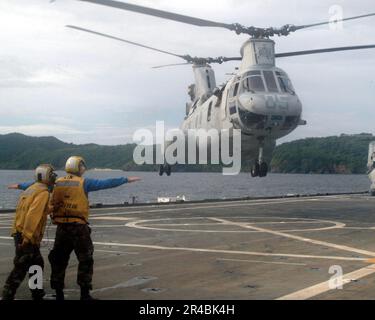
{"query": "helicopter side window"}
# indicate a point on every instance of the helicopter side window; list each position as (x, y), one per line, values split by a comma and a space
(270, 81)
(235, 90)
(209, 112)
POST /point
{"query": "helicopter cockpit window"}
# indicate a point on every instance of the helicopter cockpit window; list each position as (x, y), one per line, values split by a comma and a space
(270, 81)
(254, 81)
(284, 82)
(235, 89)
(209, 112)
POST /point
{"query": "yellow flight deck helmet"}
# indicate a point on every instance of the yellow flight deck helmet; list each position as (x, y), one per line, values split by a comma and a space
(73, 165)
(45, 173)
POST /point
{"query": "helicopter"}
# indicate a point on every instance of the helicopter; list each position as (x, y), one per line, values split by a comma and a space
(259, 99)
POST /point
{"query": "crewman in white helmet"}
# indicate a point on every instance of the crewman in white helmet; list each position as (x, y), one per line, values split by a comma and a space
(70, 214)
(28, 229)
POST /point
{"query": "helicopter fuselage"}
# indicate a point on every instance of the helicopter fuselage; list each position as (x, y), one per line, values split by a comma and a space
(259, 101)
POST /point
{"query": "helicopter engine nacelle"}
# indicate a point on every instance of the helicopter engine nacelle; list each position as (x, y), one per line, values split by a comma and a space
(205, 81)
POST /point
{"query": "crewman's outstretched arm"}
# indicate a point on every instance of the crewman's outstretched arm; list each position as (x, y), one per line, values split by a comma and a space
(20, 186)
(35, 214)
(91, 185)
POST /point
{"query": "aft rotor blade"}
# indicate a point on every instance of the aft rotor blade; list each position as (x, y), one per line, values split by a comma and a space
(307, 52)
(124, 40)
(172, 65)
(232, 59)
(333, 21)
(160, 14)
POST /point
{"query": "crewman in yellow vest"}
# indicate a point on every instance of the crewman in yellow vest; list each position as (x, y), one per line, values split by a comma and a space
(28, 229)
(70, 214)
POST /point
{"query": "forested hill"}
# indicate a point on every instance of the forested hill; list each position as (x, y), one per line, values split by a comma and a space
(338, 154)
(343, 154)
(18, 151)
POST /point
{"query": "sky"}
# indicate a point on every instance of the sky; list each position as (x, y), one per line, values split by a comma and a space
(82, 88)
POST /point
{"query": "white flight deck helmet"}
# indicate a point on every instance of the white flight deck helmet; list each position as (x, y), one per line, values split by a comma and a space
(45, 173)
(74, 164)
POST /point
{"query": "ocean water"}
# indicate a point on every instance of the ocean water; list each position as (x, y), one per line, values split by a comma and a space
(198, 186)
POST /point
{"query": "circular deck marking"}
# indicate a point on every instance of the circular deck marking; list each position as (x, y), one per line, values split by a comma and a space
(175, 223)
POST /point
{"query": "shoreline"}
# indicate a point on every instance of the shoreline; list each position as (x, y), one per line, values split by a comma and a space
(155, 204)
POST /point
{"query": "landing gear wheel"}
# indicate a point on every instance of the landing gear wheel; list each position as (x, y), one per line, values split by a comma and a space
(263, 170)
(255, 170)
(168, 170)
(161, 170)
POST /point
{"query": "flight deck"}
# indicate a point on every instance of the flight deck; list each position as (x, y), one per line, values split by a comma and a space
(281, 248)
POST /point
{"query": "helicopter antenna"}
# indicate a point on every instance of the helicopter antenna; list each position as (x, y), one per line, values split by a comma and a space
(254, 32)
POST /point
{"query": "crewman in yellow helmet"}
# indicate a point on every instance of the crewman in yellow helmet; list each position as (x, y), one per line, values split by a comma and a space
(28, 229)
(70, 214)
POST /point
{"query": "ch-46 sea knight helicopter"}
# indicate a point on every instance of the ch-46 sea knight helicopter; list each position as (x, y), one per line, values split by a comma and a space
(259, 99)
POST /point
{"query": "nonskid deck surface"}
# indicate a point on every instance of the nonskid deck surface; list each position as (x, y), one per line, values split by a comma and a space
(261, 249)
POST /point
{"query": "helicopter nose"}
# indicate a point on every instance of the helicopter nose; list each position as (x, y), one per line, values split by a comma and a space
(269, 104)
(252, 102)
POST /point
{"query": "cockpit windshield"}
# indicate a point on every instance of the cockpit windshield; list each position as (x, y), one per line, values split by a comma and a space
(267, 81)
(254, 82)
(269, 76)
(284, 83)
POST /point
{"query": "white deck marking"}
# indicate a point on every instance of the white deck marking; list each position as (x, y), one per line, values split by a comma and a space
(150, 224)
(323, 287)
(360, 228)
(261, 261)
(295, 237)
(202, 250)
(97, 226)
(112, 218)
(111, 251)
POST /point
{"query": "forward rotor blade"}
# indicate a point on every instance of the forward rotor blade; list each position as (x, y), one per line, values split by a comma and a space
(333, 21)
(189, 59)
(160, 14)
(124, 40)
(238, 28)
(307, 52)
(172, 65)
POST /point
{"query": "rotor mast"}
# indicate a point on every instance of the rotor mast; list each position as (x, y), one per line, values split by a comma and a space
(257, 52)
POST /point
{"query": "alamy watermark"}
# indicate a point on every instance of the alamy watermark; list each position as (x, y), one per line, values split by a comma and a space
(36, 277)
(336, 281)
(200, 146)
(336, 13)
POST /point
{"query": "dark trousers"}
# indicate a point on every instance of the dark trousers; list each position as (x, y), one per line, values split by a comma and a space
(69, 237)
(25, 258)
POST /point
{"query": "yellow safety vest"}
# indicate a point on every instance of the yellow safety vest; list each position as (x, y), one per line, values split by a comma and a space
(31, 213)
(69, 201)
